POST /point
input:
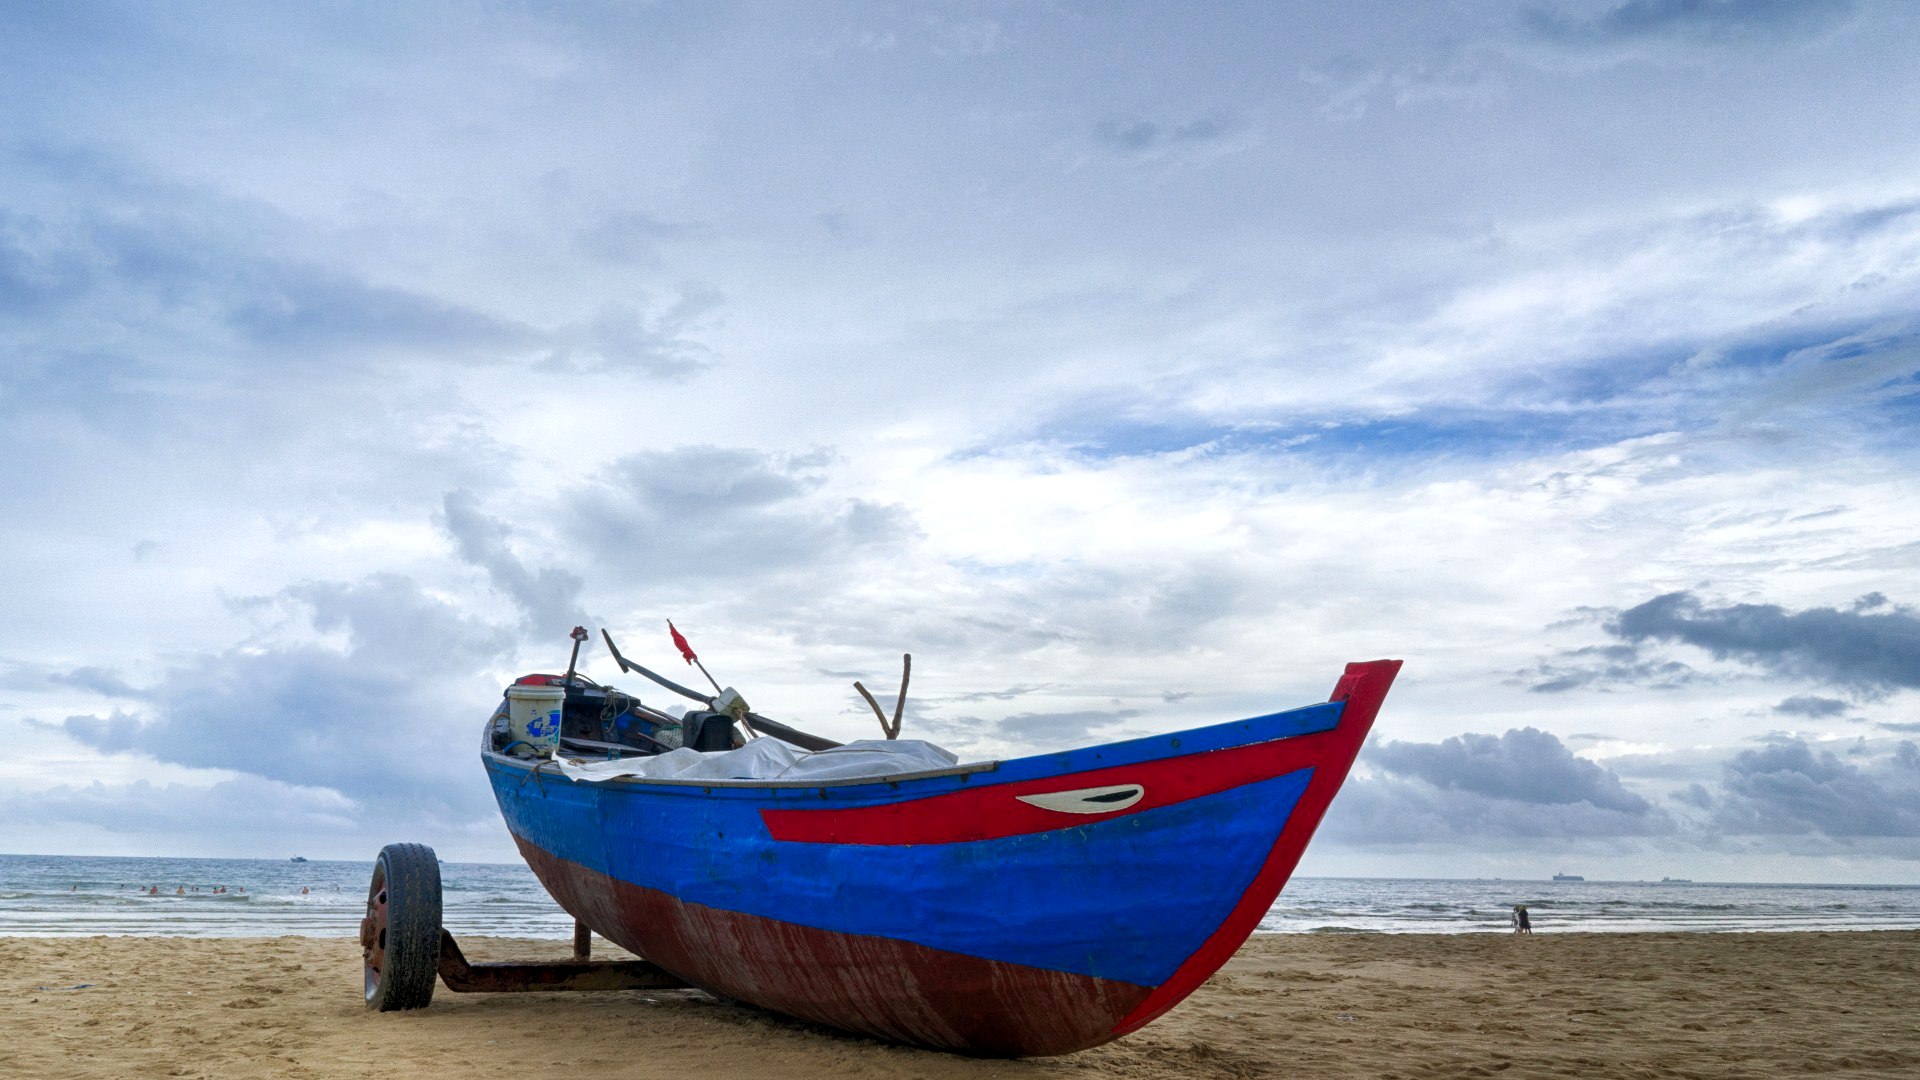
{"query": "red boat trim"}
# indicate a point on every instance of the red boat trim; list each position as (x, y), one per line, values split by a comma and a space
(880, 986)
(997, 810)
(1363, 687)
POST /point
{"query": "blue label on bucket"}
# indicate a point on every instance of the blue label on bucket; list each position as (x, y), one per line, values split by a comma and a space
(542, 727)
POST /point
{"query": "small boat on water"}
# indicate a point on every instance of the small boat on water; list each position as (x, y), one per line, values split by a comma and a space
(1003, 908)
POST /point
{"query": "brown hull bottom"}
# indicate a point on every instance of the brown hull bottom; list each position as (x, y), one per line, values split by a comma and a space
(876, 986)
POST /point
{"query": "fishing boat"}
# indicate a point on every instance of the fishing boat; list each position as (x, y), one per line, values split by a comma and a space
(1033, 906)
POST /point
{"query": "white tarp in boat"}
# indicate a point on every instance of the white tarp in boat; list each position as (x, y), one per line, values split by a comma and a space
(770, 759)
(869, 757)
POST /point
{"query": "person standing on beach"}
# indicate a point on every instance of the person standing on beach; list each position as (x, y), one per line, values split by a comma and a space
(1521, 924)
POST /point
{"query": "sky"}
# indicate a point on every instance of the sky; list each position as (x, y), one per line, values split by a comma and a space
(1132, 366)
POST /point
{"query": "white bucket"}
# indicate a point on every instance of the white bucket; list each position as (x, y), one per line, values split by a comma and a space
(533, 717)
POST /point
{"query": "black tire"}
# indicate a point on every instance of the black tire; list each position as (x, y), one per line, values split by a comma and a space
(402, 935)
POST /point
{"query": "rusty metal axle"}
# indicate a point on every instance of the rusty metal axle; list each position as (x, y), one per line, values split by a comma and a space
(465, 977)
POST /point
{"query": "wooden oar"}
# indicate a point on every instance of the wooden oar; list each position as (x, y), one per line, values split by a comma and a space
(628, 665)
(761, 724)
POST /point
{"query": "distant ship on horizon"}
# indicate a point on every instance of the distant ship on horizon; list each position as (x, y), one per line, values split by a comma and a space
(1676, 881)
(1568, 877)
(298, 858)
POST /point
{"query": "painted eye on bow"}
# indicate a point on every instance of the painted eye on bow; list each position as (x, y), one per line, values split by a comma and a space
(1093, 800)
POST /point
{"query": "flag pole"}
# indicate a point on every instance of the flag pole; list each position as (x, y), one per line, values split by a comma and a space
(710, 678)
(686, 651)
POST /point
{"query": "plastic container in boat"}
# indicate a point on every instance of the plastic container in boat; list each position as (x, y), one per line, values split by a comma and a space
(533, 718)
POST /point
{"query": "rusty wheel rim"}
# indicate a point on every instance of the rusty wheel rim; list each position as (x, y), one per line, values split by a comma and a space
(373, 929)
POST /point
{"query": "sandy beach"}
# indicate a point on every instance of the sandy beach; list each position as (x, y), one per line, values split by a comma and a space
(1639, 1005)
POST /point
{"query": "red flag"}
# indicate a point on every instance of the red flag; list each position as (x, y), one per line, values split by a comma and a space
(679, 642)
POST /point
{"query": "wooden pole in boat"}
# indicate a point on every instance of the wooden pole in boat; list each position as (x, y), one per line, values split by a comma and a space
(900, 703)
(874, 705)
(891, 731)
(579, 636)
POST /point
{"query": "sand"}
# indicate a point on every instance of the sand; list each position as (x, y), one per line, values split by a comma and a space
(1640, 1005)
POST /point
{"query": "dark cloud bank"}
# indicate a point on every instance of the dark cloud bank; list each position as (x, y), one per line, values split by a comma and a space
(1523, 784)
(1791, 789)
(1869, 649)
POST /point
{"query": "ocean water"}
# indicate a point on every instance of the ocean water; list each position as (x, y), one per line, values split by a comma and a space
(1441, 906)
(47, 895)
